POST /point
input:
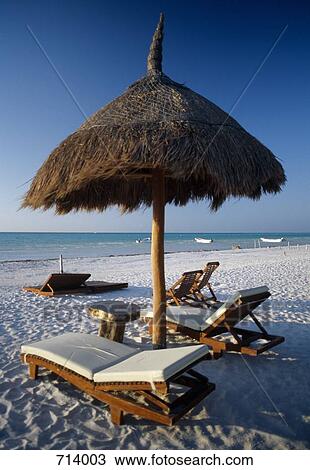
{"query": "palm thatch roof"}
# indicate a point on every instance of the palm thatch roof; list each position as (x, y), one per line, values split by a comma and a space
(156, 123)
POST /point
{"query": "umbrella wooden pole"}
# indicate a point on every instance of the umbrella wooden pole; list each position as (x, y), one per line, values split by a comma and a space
(158, 262)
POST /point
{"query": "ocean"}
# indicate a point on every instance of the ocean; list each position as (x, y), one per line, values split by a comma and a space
(15, 246)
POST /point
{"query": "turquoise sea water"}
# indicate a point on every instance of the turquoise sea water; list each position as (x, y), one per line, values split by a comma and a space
(31, 246)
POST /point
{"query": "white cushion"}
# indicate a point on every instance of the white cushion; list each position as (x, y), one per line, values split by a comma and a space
(191, 317)
(200, 318)
(152, 366)
(241, 294)
(82, 353)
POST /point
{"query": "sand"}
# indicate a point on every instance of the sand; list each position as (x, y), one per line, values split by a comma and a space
(259, 403)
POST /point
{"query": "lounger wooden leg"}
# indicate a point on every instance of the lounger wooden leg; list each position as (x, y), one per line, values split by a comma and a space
(33, 371)
(212, 292)
(217, 350)
(116, 415)
(217, 354)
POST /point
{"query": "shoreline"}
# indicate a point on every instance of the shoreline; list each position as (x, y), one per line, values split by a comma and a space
(227, 250)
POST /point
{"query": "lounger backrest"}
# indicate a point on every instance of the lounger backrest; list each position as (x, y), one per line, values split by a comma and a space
(65, 281)
(153, 366)
(187, 283)
(207, 273)
(237, 307)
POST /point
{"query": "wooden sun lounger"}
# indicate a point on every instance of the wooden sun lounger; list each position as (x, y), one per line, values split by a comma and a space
(189, 286)
(182, 289)
(207, 325)
(114, 392)
(204, 282)
(73, 283)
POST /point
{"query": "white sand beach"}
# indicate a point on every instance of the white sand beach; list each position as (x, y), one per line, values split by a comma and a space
(259, 402)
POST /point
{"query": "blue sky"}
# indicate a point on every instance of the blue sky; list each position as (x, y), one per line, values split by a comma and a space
(100, 47)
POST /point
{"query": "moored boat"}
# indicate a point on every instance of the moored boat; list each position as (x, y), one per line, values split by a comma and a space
(203, 240)
(142, 240)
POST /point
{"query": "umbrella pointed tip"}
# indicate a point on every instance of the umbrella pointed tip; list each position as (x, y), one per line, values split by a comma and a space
(154, 60)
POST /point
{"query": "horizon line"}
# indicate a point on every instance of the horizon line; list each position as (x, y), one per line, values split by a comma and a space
(135, 232)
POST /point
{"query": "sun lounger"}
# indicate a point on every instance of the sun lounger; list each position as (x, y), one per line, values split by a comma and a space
(182, 289)
(189, 286)
(209, 325)
(204, 282)
(107, 371)
(67, 283)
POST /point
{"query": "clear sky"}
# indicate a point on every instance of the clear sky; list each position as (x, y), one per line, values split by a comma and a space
(100, 47)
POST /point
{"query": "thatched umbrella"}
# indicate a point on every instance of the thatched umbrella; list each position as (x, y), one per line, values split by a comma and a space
(158, 143)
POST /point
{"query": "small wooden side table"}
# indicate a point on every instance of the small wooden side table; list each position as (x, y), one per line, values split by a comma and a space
(113, 316)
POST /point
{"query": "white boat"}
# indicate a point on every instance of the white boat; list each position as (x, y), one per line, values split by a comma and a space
(203, 240)
(272, 240)
(142, 240)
